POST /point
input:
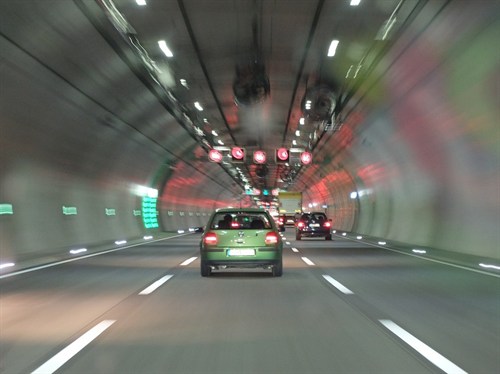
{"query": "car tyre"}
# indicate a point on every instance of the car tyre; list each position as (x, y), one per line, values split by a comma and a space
(278, 269)
(206, 270)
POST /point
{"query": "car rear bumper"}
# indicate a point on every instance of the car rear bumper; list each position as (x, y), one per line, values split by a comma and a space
(313, 233)
(262, 256)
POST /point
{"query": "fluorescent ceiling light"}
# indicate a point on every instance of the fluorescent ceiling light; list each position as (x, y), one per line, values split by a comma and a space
(355, 2)
(198, 106)
(302, 121)
(141, 2)
(333, 48)
(214, 133)
(165, 49)
(297, 133)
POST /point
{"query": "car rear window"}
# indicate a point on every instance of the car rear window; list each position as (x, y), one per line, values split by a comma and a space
(240, 220)
(314, 216)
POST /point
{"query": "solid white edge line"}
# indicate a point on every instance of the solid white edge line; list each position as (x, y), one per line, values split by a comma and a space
(67, 353)
(188, 261)
(155, 285)
(424, 258)
(430, 354)
(82, 257)
(339, 286)
(307, 261)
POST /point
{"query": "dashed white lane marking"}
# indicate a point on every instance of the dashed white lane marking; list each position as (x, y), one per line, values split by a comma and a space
(188, 261)
(430, 354)
(155, 285)
(295, 250)
(287, 243)
(339, 286)
(307, 261)
(67, 353)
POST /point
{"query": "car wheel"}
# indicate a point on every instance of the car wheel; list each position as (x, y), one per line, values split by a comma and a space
(205, 269)
(278, 269)
(328, 237)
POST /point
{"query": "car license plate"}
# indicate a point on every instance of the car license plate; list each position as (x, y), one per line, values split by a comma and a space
(241, 252)
(314, 225)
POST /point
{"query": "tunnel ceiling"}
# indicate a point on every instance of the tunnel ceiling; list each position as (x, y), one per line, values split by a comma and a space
(259, 71)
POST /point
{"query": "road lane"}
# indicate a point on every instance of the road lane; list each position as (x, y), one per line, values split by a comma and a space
(44, 310)
(455, 311)
(247, 321)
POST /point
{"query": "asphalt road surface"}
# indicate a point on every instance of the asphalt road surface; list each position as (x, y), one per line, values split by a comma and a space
(340, 307)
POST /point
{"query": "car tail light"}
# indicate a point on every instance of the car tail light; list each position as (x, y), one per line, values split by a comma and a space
(271, 238)
(235, 225)
(210, 238)
(327, 224)
(300, 225)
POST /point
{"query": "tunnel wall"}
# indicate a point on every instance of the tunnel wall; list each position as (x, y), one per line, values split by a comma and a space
(425, 152)
(73, 152)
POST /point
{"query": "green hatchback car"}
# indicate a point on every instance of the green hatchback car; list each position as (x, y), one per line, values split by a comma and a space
(241, 238)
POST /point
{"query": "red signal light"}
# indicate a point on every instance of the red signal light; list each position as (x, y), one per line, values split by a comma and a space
(238, 154)
(259, 157)
(214, 155)
(282, 155)
(210, 238)
(271, 238)
(306, 158)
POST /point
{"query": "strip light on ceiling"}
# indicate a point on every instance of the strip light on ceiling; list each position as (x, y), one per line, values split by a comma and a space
(198, 106)
(141, 2)
(164, 47)
(333, 48)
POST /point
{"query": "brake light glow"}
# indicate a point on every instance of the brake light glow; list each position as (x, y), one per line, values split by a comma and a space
(235, 225)
(327, 224)
(300, 225)
(210, 238)
(271, 238)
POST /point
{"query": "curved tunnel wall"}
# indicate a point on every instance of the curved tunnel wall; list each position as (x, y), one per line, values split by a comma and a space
(425, 150)
(422, 148)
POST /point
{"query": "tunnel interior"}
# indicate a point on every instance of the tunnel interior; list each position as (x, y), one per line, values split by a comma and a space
(101, 140)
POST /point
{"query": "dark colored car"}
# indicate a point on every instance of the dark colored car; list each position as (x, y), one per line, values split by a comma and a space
(241, 238)
(314, 224)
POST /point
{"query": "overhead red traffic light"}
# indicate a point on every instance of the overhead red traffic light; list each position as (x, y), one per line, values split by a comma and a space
(282, 155)
(305, 158)
(214, 155)
(238, 154)
(259, 157)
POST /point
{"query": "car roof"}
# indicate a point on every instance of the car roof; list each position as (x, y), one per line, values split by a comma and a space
(236, 210)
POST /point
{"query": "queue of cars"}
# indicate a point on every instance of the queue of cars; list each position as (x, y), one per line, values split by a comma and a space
(250, 238)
